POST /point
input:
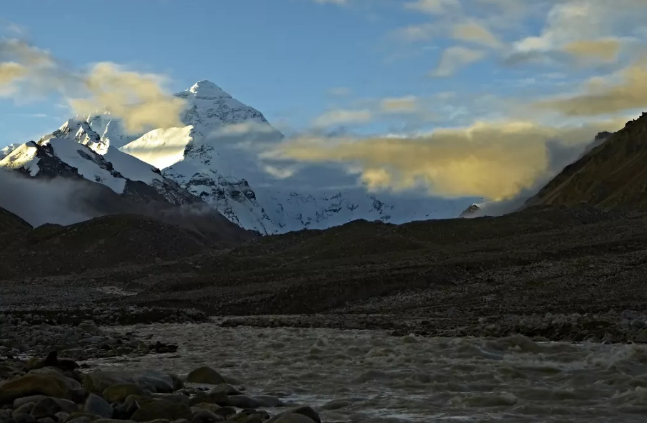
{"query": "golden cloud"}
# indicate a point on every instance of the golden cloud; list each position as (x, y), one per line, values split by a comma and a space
(604, 50)
(475, 33)
(491, 160)
(137, 98)
(10, 71)
(408, 104)
(625, 91)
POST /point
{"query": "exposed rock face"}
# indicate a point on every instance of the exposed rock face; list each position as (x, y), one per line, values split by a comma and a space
(612, 174)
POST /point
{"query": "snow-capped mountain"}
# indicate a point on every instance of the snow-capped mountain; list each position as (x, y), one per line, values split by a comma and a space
(125, 175)
(215, 157)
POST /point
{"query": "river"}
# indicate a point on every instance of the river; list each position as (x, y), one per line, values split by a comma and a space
(368, 376)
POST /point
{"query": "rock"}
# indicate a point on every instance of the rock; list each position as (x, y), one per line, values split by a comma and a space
(125, 411)
(90, 327)
(52, 360)
(24, 418)
(98, 406)
(112, 421)
(80, 419)
(119, 392)
(150, 380)
(296, 415)
(160, 409)
(206, 406)
(268, 401)
(46, 420)
(242, 401)
(61, 416)
(181, 421)
(23, 409)
(225, 412)
(46, 407)
(206, 416)
(178, 398)
(55, 372)
(34, 384)
(290, 418)
(226, 388)
(66, 405)
(18, 402)
(205, 375)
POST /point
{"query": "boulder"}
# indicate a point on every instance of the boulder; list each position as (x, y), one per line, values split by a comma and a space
(242, 401)
(33, 384)
(94, 404)
(268, 401)
(161, 409)
(24, 418)
(206, 416)
(121, 391)
(151, 380)
(206, 406)
(23, 409)
(205, 375)
(61, 416)
(296, 415)
(179, 398)
(45, 407)
(54, 372)
(18, 402)
(290, 418)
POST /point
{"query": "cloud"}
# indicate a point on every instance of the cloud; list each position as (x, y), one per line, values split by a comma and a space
(433, 7)
(603, 50)
(625, 90)
(342, 117)
(10, 71)
(408, 104)
(588, 29)
(454, 58)
(476, 33)
(492, 160)
(137, 98)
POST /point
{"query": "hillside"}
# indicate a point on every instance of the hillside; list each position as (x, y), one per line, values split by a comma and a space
(110, 241)
(613, 174)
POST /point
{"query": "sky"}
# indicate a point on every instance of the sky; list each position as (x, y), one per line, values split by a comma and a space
(464, 97)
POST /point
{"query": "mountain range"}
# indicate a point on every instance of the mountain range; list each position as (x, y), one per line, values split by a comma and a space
(209, 160)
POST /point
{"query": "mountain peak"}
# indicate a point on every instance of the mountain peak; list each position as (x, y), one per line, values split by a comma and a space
(207, 89)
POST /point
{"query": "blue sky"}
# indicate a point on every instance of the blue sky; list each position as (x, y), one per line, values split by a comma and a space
(283, 57)
(369, 68)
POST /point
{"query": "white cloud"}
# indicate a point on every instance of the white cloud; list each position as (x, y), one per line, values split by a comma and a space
(433, 7)
(342, 117)
(476, 33)
(455, 58)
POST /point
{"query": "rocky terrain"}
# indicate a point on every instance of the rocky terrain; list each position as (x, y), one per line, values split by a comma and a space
(546, 272)
(54, 390)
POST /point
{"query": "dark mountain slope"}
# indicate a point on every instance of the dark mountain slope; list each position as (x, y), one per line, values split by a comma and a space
(611, 175)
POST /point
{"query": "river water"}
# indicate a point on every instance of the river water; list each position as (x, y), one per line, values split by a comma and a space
(367, 376)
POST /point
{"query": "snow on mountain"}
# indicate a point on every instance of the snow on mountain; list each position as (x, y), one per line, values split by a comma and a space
(213, 157)
(125, 175)
(7, 150)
